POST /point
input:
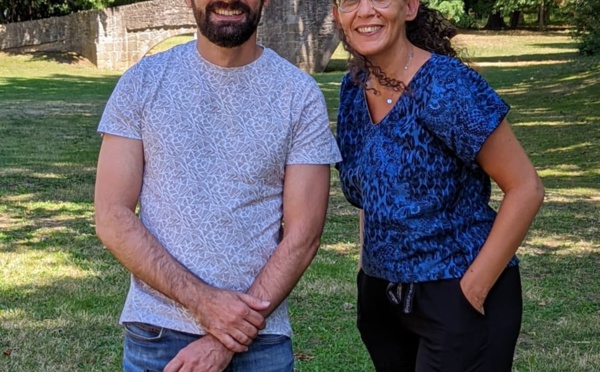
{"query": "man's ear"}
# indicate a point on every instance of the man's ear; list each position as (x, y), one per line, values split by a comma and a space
(188, 3)
(412, 8)
(266, 3)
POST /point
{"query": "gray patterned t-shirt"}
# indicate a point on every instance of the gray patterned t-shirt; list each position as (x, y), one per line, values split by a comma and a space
(216, 144)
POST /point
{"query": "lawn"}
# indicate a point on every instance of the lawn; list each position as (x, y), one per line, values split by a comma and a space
(61, 292)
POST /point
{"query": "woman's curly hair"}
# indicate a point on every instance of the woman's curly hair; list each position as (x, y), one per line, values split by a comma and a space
(430, 31)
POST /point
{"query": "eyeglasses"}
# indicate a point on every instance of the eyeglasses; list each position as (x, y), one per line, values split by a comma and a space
(348, 6)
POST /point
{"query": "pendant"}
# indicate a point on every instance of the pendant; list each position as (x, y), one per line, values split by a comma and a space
(389, 101)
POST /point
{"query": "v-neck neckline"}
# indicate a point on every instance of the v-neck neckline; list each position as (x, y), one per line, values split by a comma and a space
(400, 99)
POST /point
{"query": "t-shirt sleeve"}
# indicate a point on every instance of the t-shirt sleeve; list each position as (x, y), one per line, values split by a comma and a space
(462, 110)
(313, 141)
(122, 115)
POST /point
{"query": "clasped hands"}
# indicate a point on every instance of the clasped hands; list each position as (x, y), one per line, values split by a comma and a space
(232, 320)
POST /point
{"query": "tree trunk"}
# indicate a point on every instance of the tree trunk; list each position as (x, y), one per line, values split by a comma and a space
(515, 19)
(542, 16)
(495, 22)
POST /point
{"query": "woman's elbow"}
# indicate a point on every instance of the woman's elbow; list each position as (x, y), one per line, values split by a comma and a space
(537, 191)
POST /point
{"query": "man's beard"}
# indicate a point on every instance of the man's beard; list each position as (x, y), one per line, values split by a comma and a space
(227, 34)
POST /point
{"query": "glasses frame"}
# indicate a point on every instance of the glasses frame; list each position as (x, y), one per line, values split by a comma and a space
(346, 10)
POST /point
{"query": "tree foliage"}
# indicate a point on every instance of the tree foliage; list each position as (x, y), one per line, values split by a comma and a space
(26, 10)
(586, 14)
(496, 10)
(454, 10)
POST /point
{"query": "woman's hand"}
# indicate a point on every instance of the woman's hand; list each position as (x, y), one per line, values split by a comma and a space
(473, 293)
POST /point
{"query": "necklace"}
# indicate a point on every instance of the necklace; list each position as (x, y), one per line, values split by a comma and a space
(409, 57)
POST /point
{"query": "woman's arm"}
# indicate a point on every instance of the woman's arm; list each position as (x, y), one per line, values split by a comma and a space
(505, 161)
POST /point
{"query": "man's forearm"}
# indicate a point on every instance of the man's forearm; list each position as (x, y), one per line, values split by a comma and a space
(282, 272)
(305, 198)
(139, 251)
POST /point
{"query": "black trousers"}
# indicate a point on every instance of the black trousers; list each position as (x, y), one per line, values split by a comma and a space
(433, 327)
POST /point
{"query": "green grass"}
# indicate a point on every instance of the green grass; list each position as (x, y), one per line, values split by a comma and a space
(61, 292)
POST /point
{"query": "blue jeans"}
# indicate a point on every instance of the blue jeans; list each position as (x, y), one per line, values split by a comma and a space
(149, 349)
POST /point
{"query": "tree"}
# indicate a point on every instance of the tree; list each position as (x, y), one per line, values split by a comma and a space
(494, 11)
(515, 8)
(26, 10)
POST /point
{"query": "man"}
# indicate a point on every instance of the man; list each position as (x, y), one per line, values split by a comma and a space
(226, 146)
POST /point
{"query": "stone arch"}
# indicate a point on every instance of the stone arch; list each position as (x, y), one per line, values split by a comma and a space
(301, 31)
(154, 42)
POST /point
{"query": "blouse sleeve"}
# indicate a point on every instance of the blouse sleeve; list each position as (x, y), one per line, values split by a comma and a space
(462, 110)
(348, 137)
(342, 107)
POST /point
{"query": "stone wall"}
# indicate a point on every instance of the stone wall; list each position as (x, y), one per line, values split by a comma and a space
(53, 34)
(301, 31)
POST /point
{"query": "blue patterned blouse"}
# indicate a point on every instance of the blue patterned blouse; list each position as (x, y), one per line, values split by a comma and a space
(414, 174)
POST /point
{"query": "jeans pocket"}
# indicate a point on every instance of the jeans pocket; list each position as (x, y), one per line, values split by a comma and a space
(270, 339)
(143, 331)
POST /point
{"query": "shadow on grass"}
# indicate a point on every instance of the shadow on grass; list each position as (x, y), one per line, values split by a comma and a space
(572, 45)
(69, 58)
(559, 57)
(557, 31)
(56, 87)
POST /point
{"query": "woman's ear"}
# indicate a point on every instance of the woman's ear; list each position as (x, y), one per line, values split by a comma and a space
(412, 8)
(336, 16)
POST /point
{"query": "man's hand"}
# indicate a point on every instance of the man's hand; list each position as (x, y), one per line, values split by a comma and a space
(204, 355)
(234, 318)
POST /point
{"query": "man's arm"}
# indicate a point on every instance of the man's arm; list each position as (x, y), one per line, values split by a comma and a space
(231, 317)
(305, 197)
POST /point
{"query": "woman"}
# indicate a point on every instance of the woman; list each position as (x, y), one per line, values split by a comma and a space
(421, 135)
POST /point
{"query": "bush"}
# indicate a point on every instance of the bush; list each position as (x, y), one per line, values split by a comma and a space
(589, 44)
(587, 28)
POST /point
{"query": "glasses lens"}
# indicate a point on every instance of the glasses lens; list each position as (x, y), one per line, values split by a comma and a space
(381, 4)
(352, 5)
(348, 5)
